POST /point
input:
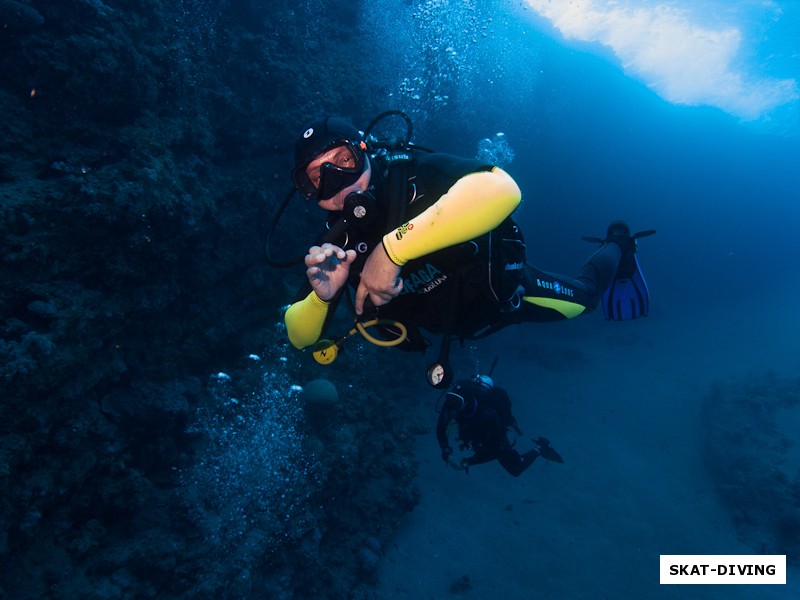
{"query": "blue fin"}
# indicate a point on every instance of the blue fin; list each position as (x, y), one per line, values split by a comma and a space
(627, 297)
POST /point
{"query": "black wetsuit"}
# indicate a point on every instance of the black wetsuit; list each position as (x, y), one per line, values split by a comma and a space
(471, 289)
(483, 421)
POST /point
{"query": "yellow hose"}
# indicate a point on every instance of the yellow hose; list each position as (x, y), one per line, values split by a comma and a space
(362, 329)
(326, 351)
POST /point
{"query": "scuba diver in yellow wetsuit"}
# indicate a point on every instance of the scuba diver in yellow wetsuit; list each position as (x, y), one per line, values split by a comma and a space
(427, 242)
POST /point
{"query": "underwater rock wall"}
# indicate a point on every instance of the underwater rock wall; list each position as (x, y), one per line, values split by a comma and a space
(753, 454)
(143, 147)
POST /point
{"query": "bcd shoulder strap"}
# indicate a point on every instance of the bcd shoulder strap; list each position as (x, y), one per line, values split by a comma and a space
(398, 164)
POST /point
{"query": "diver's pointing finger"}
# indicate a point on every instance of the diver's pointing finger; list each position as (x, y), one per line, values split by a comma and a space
(361, 295)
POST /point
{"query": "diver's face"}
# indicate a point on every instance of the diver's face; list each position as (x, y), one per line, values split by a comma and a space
(336, 202)
(338, 169)
(341, 159)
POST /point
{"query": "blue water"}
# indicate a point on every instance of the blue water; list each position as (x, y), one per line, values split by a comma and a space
(597, 133)
(676, 115)
(682, 117)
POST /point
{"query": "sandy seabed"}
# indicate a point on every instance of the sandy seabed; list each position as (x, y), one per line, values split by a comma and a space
(622, 403)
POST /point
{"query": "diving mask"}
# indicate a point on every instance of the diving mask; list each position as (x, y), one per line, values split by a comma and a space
(335, 167)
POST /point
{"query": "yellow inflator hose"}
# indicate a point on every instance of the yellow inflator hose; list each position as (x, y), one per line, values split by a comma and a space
(326, 351)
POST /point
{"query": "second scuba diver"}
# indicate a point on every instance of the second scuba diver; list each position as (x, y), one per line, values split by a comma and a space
(481, 413)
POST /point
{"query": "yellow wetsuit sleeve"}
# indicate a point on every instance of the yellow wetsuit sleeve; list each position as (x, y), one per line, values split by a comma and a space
(304, 320)
(474, 205)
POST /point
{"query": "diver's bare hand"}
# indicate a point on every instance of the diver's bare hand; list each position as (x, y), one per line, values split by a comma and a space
(380, 280)
(328, 268)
